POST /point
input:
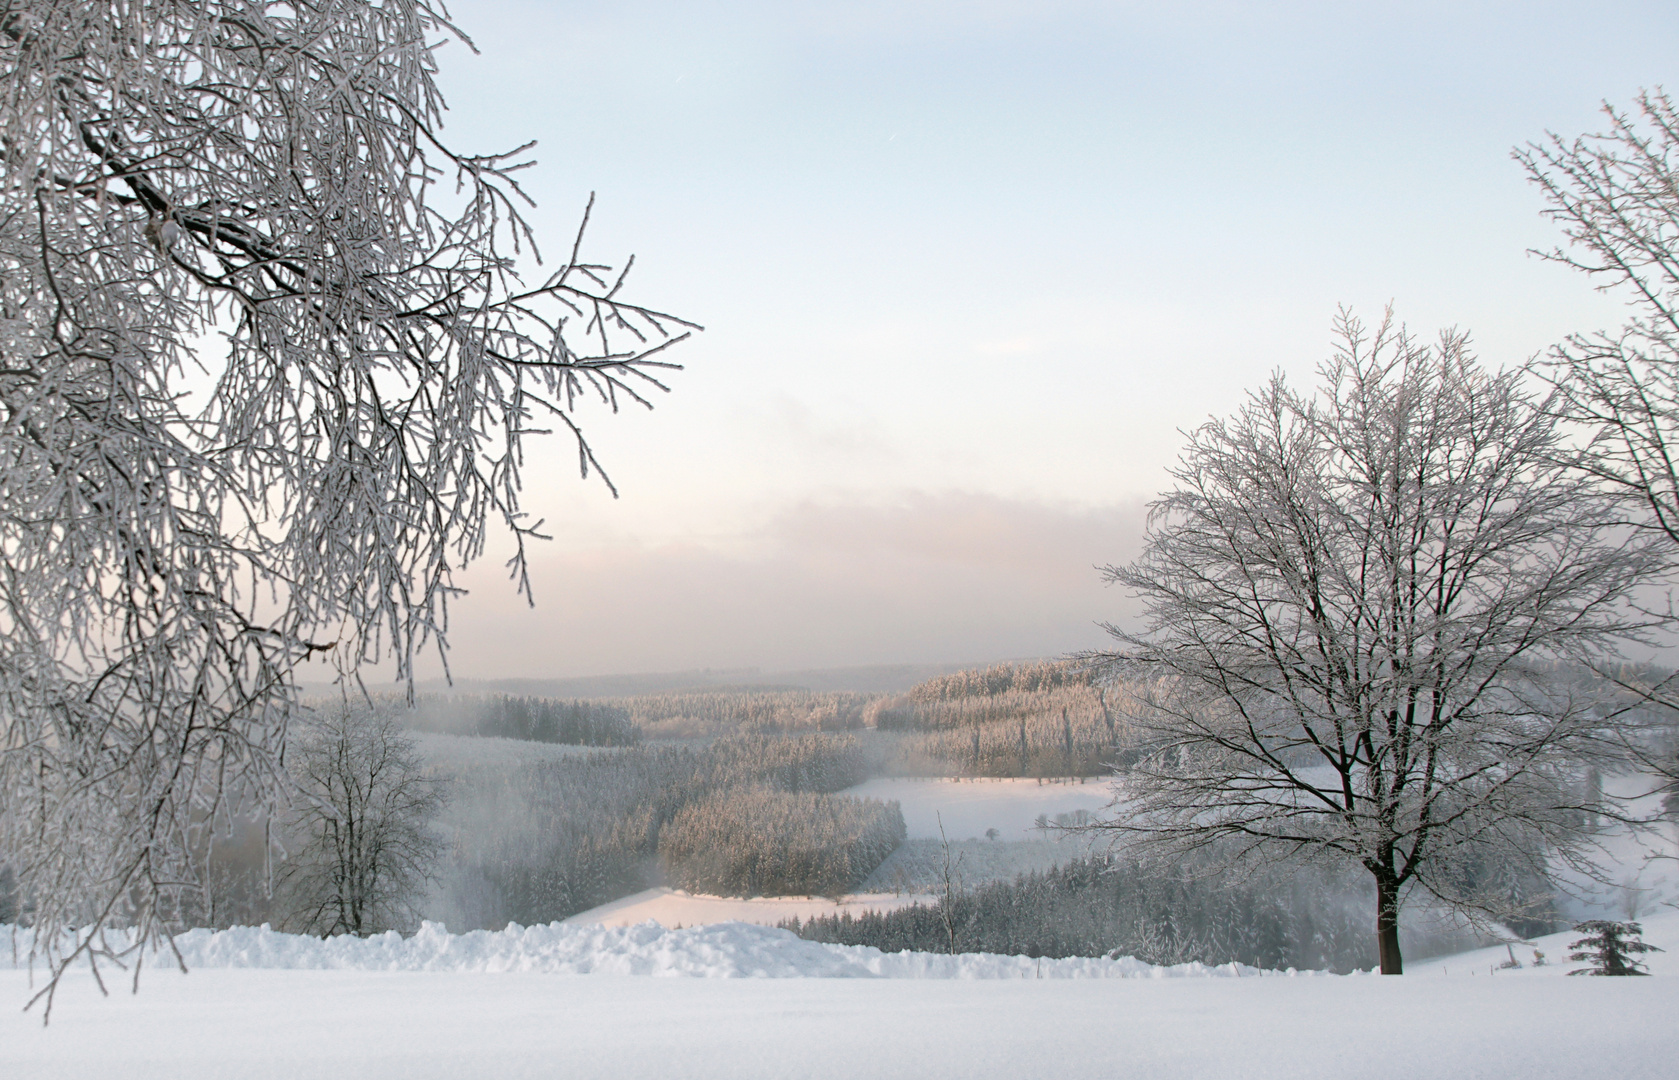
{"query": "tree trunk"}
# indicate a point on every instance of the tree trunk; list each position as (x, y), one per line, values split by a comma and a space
(1387, 924)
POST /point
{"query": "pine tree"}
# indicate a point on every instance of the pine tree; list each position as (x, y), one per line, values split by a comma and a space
(1609, 947)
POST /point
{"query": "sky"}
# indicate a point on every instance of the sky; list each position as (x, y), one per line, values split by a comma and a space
(968, 270)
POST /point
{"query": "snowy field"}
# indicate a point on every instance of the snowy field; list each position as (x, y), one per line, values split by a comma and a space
(579, 1002)
(970, 807)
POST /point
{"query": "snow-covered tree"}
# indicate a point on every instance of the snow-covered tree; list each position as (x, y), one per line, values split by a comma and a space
(1354, 604)
(1615, 193)
(1616, 196)
(1611, 948)
(266, 366)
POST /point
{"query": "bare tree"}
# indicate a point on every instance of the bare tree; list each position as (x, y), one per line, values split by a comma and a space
(1355, 602)
(365, 804)
(266, 367)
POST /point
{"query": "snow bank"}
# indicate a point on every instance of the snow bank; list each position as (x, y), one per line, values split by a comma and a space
(736, 950)
(722, 951)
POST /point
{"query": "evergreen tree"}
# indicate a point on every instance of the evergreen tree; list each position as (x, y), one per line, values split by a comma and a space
(1609, 947)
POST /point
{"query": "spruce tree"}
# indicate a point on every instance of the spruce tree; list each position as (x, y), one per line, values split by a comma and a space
(1609, 947)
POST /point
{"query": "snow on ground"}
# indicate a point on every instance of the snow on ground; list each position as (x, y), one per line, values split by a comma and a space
(970, 807)
(673, 908)
(911, 874)
(1660, 930)
(383, 1025)
(726, 951)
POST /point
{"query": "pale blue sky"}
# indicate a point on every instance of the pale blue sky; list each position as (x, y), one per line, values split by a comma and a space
(967, 269)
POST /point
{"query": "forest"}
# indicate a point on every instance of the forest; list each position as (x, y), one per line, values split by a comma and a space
(558, 806)
(1106, 905)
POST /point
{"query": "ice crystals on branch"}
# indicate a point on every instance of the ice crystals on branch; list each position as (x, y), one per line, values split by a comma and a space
(267, 176)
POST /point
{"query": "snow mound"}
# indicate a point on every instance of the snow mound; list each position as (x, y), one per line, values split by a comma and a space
(721, 951)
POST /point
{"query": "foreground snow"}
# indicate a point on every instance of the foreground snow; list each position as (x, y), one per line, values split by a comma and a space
(559, 1001)
(279, 1025)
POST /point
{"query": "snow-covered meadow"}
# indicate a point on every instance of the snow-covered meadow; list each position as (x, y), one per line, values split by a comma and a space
(969, 807)
(746, 1002)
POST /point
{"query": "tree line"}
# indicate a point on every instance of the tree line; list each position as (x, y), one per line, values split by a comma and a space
(1038, 719)
(504, 716)
(1110, 905)
(717, 711)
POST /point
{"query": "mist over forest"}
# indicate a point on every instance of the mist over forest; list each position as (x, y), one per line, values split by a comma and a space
(552, 807)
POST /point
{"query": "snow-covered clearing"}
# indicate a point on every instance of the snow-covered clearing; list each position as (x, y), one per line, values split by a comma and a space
(970, 807)
(516, 1005)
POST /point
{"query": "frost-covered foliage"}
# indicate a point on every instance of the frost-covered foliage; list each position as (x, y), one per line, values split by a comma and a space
(266, 365)
(10, 910)
(1100, 905)
(1615, 194)
(501, 716)
(543, 835)
(1044, 719)
(1356, 602)
(995, 681)
(762, 842)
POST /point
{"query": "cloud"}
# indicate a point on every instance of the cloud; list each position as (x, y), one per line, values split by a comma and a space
(923, 578)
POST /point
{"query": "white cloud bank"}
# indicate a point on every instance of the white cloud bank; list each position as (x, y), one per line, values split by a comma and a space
(923, 578)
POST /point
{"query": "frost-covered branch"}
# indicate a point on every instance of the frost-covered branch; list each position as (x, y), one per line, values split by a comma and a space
(183, 523)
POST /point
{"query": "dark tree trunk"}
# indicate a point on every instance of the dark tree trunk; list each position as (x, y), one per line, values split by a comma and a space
(1387, 923)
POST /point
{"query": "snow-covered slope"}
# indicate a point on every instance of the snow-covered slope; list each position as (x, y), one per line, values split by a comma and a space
(1661, 930)
(674, 907)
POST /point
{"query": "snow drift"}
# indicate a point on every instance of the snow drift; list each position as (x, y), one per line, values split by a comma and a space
(724, 950)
